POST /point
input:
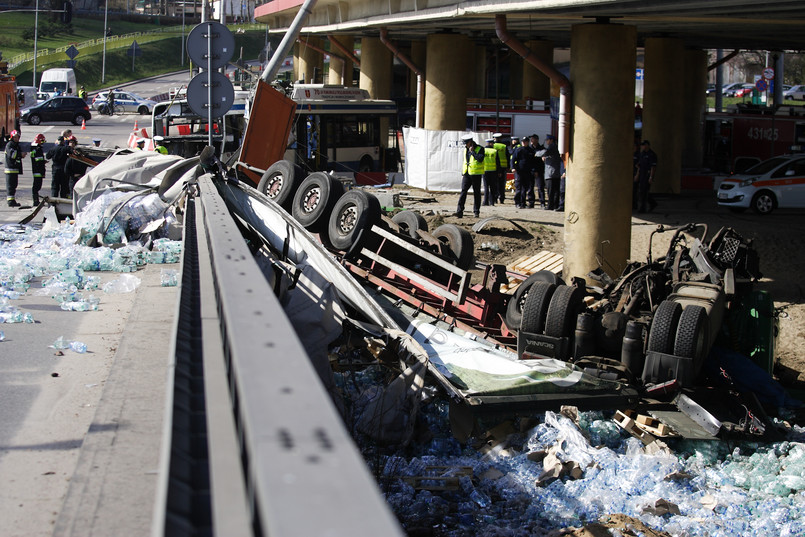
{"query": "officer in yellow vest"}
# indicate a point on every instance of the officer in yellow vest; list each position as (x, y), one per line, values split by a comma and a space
(503, 156)
(159, 145)
(472, 171)
(491, 169)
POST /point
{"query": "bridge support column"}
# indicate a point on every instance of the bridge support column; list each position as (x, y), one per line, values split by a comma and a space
(537, 85)
(340, 71)
(376, 62)
(308, 63)
(598, 198)
(695, 103)
(449, 75)
(662, 109)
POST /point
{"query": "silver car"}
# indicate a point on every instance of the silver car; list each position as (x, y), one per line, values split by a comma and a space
(125, 101)
(795, 93)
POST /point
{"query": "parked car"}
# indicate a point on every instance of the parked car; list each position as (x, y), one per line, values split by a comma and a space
(64, 108)
(777, 182)
(727, 88)
(711, 89)
(796, 92)
(745, 90)
(125, 101)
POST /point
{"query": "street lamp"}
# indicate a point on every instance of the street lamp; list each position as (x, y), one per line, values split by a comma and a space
(105, 26)
(36, 36)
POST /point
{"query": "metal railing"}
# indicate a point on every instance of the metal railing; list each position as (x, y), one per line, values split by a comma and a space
(257, 446)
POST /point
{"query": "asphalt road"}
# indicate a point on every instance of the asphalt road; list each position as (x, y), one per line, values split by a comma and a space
(81, 433)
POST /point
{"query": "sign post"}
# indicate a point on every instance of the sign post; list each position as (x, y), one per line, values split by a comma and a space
(134, 51)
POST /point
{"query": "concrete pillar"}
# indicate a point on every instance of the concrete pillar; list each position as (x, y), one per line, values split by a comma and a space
(307, 62)
(376, 65)
(516, 75)
(536, 85)
(663, 111)
(446, 81)
(340, 72)
(695, 104)
(480, 67)
(598, 197)
(418, 56)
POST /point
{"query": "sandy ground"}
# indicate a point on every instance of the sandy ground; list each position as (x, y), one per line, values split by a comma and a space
(779, 239)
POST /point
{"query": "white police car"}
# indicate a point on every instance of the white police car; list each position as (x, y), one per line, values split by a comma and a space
(777, 182)
(125, 101)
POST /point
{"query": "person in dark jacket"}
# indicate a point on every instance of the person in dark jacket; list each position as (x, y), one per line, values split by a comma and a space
(38, 166)
(74, 169)
(553, 172)
(644, 176)
(538, 180)
(13, 167)
(522, 166)
(58, 156)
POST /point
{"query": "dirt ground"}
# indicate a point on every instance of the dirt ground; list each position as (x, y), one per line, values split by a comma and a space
(779, 239)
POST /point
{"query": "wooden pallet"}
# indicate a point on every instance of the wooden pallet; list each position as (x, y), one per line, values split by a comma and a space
(528, 265)
(643, 427)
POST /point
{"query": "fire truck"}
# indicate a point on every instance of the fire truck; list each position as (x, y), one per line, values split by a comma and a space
(9, 107)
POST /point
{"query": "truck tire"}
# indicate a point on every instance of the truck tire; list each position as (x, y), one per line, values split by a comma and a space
(565, 306)
(410, 222)
(352, 217)
(535, 307)
(692, 335)
(280, 182)
(662, 333)
(314, 200)
(514, 310)
(459, 241)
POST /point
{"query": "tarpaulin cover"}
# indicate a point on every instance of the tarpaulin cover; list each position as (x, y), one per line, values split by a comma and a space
(477, 368)
(433, 158)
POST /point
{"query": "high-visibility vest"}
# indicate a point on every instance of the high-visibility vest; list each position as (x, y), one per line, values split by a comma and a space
(503, 154)
(474, 167)
(490, 159)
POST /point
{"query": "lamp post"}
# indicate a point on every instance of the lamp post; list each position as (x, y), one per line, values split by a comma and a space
(36, 36)
(184, 9)
(105, 26)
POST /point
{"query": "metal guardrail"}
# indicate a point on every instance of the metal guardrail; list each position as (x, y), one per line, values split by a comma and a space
(112, 42)
(257, 446)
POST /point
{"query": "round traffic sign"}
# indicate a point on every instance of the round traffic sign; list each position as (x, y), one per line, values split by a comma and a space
(768, 73)
(221, 92)
(222, 46)
(761, 84)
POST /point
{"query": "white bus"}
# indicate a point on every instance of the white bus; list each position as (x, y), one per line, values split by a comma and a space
(339, 129)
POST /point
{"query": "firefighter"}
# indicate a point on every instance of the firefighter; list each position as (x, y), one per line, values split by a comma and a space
(38, 165)
(13, 167)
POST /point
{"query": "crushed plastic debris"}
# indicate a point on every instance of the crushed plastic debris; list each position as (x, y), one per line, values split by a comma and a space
(169, 277)
(125, 283)
(75, 346)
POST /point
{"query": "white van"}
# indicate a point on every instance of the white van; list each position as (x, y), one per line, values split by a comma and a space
(58, 80)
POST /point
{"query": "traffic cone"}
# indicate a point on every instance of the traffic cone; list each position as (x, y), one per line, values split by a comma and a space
(83, 124)
(135, 125)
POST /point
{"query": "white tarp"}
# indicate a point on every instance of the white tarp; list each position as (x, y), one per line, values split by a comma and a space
(433, 158)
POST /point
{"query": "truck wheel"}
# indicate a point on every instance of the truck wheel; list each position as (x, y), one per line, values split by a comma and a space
(314, 200)
(514, 311)
(562, 312)
(280, 182)
(459, 241)
(410, 222)
(535, 308)
(692, 335)
(663, 327)
(352, 217)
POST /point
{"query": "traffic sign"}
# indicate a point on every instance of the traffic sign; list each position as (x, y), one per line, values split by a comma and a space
(134, 50)
(72, 52)
(761, 84)
(768, 73)
(221, 94)
(222, 45)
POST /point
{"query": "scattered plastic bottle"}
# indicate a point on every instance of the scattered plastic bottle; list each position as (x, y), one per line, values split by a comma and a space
(60, 343)
(126, 283)
(2, 336)
(169, 277)
(78, 346)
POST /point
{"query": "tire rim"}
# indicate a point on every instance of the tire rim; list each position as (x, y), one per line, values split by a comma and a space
(347, 219)
(274, 185)
(311, 200)
(764, 204)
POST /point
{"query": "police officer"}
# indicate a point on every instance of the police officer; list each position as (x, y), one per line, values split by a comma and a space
(503, 156)
(553, 173)
(140, 144)
(159, 145)
(471, 173)
(13, 167)
(491, 169)
(82, 94)
(538, 173)
(38, 162)
(522, 166)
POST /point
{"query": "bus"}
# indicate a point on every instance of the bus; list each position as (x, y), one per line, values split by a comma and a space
(339, 129)
(335, 128)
